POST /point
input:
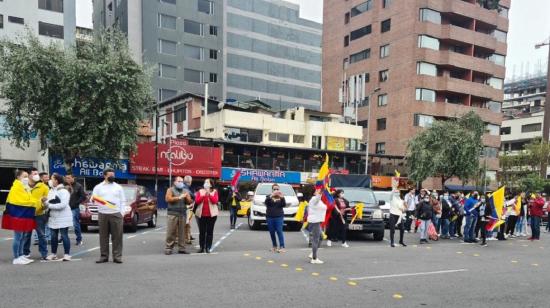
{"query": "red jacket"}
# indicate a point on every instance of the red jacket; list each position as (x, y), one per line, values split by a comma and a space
(536, 207)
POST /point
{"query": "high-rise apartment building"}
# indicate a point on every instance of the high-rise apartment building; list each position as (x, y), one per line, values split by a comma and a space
(244, 49)
(414, 61)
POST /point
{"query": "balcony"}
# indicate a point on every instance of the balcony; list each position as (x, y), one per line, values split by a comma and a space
(460, 60)
(460, 86)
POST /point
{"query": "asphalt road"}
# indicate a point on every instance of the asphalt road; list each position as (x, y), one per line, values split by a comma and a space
(241, 272)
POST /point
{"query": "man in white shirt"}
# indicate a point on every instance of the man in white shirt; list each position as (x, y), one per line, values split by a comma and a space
(410, 203)
(110, 205)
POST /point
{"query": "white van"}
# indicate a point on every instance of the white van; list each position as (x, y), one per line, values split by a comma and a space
(258, 209)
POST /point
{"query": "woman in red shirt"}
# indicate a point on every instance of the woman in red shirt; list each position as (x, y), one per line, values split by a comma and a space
(206, 203)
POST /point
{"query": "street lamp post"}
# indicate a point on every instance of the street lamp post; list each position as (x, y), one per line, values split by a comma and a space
(546, 121)
(368, 132)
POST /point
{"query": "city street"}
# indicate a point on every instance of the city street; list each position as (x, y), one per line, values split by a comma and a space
(242, 272)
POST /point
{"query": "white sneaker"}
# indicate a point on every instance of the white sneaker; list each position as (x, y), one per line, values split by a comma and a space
(329, 243)
(27, 259)
(20, 261)
(316, 261)
(345, 245)
(310, 256)
(27, 256)
(66, 257)
(51, 257)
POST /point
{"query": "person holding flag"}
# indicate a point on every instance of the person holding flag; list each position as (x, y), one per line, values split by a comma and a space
(316, 215)
(337, 229)
(495, 205)
(234, 199)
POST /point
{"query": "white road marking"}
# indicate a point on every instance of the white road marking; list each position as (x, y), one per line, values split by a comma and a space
(85, 251)
(131, 236)
(59, 260)
(224, 237)
(409, 274)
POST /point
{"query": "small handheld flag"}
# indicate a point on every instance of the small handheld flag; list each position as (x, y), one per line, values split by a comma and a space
(358, 212)
(235, 180)
(103, 202)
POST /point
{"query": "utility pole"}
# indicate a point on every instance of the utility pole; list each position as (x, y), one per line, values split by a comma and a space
(546, 122)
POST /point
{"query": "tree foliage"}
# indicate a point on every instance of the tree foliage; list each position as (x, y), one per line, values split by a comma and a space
(520, 168)
(447, 149)
(85, 102)
(489, 4)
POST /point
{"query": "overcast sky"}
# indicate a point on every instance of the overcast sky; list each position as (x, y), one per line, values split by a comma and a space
(529, 25)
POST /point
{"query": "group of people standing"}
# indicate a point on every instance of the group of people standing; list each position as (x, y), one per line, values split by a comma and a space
(46, 205)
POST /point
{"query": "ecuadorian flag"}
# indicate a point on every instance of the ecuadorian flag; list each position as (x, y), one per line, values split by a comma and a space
(323, 180)
(496, 201)
(20, 209)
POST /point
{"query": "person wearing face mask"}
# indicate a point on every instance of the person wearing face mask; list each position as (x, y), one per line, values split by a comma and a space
(40, 192)
(397, 207)
(19, 214)
(424, 212)
(410, 202)
(78, 196)
(187, 181)
(234, 203)
(274, 204)
(111, 201)
(316, 215)
(61, 217)
(445, 215)
(337, 228)
(485, 213)
(206, 203)
(177, 197)
(471, 214)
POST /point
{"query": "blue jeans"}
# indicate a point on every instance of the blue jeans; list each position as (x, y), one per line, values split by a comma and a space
(520, 225)
(444, 227)
(40, 229)
(436, 222)
(535, 227)
(424, 229)
(452, 228)
(275, 225)
(232, 215)
(469, 228)
(18, 243)
(76, 224)
(66, 242)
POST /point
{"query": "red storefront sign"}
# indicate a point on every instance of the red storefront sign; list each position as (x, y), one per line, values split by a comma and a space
(191, 160)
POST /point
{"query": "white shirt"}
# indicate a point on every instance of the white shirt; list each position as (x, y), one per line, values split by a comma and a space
(113, 193)
(316, 210)
(396, 206)
(410, 200)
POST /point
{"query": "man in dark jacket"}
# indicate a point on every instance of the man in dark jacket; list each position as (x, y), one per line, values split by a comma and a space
(78, 196)
(424, 212)
(234, 203)
(455, 212)
(445, 215)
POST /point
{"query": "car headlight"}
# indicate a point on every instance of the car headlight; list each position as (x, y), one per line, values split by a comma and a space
(82, 208)
(377, 214)
(127, 209)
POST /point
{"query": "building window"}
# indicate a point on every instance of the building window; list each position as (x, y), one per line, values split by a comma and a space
(214, 30)
(167, 21)
(367, 78)
(505, 130)
(168, 47)
(382, 99)
(503, 11)
(165, 94)
(426, 95)
(192, 52)
(430, 16)
(530, 128)
(168, 71)
(422, 120)
(383, 76)
(206, 7)
(385, 25)
(362, 55)
(346, 41)
(213, 54)
(490, 152)
(386, 3)
(499, 35)
(16, 20)
(213, 77)
(180, 113)
(425, 68)
(495, 82)
(355, 34)
(497, 59)
(192, 27)
(190, 75)
(384, 51)
(363, 123)
(493, 130)
(316, 142)
(279, 137)
(168, 1)
(346, 18)
(494, 106)
(425, 41)
(51, 5)
(50, 30)
(361, 8)
(1, 21)
(298, 138)
(381, 148)
(381, 124)
(352, 145)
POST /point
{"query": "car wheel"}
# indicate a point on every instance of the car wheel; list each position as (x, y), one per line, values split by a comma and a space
(84, 228)
(153, 222)
(378, 236)
(133, 226)
(252, 224)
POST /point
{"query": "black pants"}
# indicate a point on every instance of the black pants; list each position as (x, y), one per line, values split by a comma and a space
(500, 234)
(478, 227)
(482, 225)
(206, 231)
(459, 225)
(409, 220)
(393, 221)
(511, 225)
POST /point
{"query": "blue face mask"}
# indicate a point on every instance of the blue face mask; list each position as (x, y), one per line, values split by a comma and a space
(179, 185)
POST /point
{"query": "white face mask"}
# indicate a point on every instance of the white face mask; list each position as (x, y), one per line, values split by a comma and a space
(36, 178)
(50, 183)
(207, 185)
(25, 181)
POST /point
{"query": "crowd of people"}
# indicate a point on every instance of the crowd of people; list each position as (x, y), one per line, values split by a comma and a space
(49, 206)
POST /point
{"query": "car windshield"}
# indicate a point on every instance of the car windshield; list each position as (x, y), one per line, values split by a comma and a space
(360, 195)
(383, 195)
(129, 193)
(265, 190)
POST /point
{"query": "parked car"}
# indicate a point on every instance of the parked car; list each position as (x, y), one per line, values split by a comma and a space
(141, 208)
(384, 198)
(372, 220)
(256, 214)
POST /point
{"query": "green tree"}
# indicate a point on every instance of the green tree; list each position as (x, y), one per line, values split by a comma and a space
(85, 102)
(532, 183)
(489, 4)
(447, 149)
